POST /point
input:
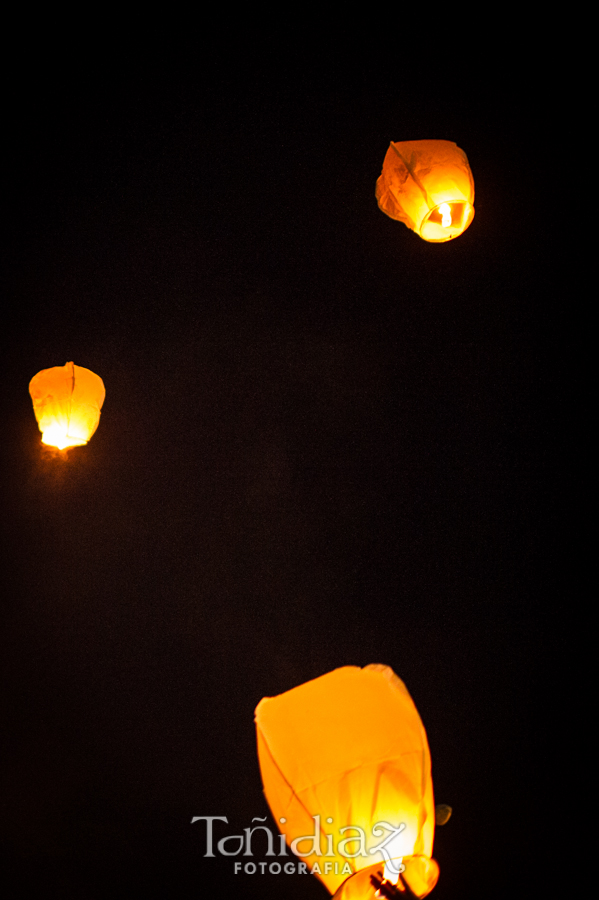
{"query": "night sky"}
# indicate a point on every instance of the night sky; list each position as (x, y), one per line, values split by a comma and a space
(325, 442)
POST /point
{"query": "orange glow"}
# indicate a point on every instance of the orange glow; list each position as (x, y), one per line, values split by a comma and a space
(428, 186)
(345, 765)
(67, 401)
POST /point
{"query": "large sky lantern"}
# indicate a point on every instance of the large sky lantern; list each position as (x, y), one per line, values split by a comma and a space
(428, 186)
(67, 401)
(346, 771)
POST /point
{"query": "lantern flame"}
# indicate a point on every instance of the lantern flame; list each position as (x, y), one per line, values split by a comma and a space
(391, 872)
(445, 210)
(56, 436)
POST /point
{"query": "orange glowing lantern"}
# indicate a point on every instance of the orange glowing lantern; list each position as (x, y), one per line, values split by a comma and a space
(346, 771)
(428, 186)
(67, 401)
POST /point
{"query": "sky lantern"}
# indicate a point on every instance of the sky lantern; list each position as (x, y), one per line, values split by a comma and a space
(67, 401)
(346, 771)
(428, 186)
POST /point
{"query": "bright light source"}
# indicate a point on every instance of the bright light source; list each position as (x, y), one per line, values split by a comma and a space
(445, 210)
(391, 872)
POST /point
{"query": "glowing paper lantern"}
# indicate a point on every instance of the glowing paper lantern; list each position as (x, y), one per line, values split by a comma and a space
(346, 771)
(67, 401)
(428, 186)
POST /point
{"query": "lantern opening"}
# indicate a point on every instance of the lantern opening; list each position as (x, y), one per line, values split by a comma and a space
(57, 436)
(446, 221)
(420, 876)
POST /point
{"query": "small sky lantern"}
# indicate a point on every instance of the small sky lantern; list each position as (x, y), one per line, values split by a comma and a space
(346, 771)
(67, 401)
(428, 186)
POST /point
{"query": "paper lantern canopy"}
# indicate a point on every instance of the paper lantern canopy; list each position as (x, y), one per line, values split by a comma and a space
(428, 186)
(67, 401)
(346, 771)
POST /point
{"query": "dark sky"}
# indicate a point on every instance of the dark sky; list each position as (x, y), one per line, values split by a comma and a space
(324, 442)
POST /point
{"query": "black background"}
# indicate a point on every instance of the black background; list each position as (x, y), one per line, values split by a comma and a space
(324, 442)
